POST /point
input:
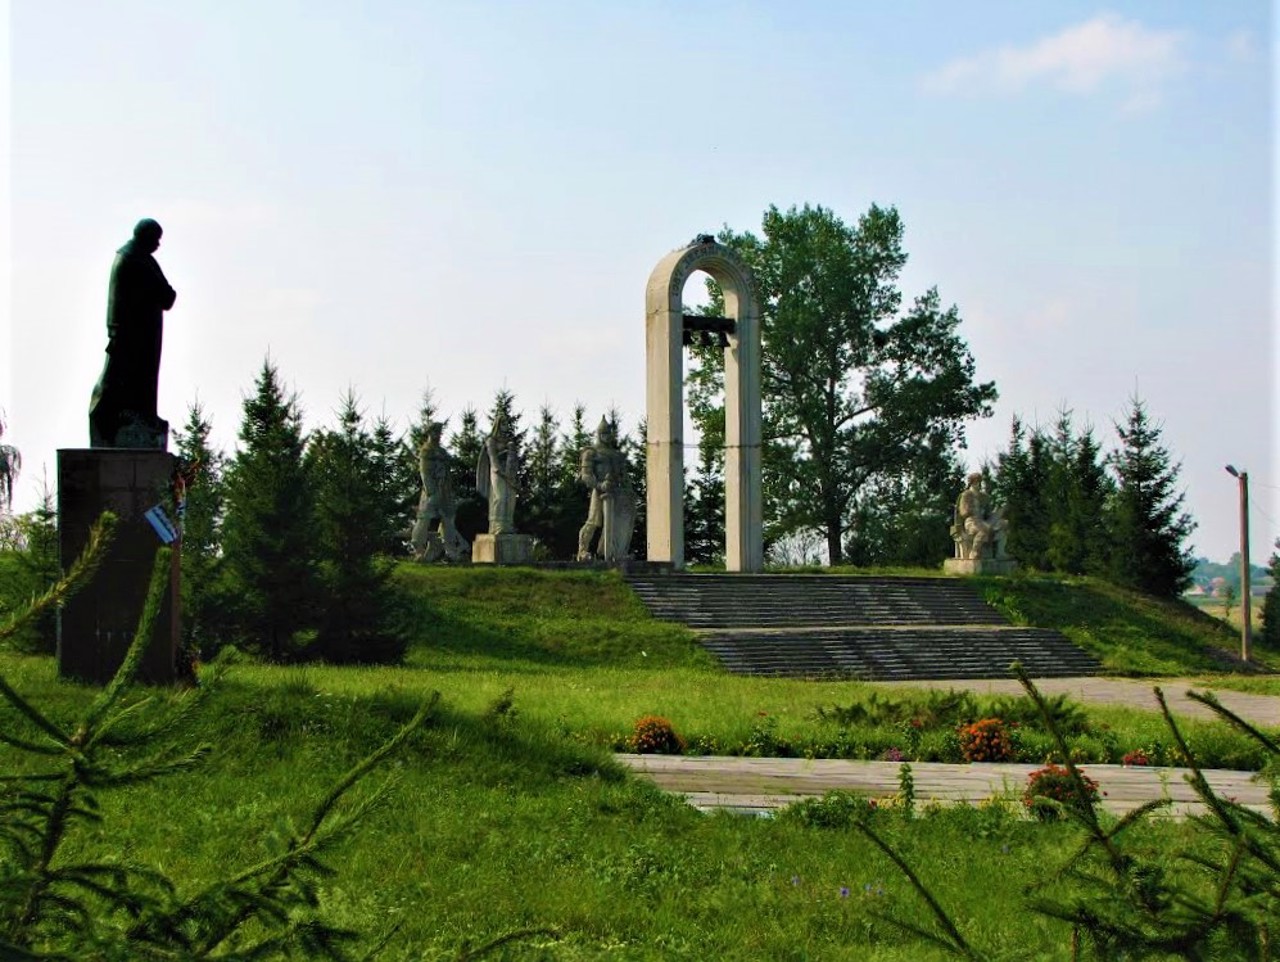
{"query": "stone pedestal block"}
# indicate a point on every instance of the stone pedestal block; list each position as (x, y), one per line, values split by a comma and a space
(97, 625)
(502, 549)
(979, 566)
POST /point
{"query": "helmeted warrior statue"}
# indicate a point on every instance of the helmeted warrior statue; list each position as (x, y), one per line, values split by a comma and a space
(497, 477)
(122, 411)
(603, 468)
(435, 534)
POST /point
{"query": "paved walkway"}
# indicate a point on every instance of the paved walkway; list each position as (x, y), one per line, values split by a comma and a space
(755, 785)
(1129, 692)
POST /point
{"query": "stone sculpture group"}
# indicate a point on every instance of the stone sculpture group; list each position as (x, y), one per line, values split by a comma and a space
(603, 469)
(123, 414)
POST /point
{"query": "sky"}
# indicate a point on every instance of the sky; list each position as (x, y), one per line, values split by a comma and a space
(469, 196)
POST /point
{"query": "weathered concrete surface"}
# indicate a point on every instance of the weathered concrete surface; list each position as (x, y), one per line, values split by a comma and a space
(763, 784)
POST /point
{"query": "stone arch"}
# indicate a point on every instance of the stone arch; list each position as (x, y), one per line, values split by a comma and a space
(664, 352)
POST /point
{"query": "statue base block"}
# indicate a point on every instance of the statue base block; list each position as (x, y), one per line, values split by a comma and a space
(502, 549)
(979, 566)
(97, 624)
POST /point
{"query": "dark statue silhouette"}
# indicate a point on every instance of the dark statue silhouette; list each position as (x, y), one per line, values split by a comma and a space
(122, 413)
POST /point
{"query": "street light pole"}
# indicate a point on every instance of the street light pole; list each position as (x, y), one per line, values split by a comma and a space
(1246, 630)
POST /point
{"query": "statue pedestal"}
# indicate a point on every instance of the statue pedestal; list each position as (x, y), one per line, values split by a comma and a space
(502, 549)
(979, 566)
(97, 624)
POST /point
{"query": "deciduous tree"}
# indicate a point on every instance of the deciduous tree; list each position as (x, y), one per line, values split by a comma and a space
(854, 387)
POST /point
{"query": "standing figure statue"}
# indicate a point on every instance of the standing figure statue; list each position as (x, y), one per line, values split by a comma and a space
(435, 534)
(604, 469)
(122, 412)
(497, 477)
(980, 530)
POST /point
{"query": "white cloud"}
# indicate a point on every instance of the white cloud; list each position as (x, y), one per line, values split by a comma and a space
(1107, 51)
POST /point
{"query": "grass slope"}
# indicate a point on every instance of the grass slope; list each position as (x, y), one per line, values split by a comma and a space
(497, 822)
(509, 813)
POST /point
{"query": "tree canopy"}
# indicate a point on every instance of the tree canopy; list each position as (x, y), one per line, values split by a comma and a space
(856, 389)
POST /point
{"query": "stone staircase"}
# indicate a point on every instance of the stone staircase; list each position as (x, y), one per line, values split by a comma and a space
(875, 628)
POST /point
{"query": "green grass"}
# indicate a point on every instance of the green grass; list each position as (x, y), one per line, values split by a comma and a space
(1130, 633)
(505, 820)
(500, 822)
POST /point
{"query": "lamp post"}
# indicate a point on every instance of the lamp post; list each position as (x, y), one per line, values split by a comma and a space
(1246, 630)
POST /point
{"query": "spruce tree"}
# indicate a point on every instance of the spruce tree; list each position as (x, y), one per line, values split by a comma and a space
(637, 451)
(40, 569)
(1075, 503)
(1148, 527)
(542, 515)
(358, 612)
(1021, 484)
(1269, 635)
(704, 519)
(572, 498)
(203, 595)
(473, 513)
(396, 486)
(268, 534)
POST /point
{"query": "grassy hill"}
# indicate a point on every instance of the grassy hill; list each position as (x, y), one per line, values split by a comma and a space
(507, 812)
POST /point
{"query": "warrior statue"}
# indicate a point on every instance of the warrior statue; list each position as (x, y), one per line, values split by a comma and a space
(122, 411)
(434, 533)
(497, 477)
(603, 469)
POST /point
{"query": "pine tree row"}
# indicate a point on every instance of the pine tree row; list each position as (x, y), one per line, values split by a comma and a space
(1074, 510)
(288, 544)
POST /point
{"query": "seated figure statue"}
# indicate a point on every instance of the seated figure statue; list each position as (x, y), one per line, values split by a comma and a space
(434, 534)
(612, 511)
(980, 529)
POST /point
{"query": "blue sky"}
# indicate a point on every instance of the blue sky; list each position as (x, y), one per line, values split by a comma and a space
(471, 195)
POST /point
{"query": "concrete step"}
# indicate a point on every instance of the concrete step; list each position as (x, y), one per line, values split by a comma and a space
(874, 627)
(874, 654)
(722, 601)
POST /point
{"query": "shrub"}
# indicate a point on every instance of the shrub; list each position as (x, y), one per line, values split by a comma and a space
(1135, 758)
(986, 740)
(836, 809)
(653, 735)
(1055, 782)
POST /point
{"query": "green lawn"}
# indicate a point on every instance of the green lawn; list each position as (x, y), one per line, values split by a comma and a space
(504, 819)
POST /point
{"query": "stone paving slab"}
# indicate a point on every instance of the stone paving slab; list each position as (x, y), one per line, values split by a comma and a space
(1126, 692)
(760, 785)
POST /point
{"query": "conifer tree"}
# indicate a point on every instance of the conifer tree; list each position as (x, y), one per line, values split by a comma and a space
(473, 513)
(1022, 483)
(1270, 633)
(543, 514)
(704, 519)
(396, 484)
(39, 569)
(1148, 528)
(203, 597)
(268, 534)
(637, 451)
(357, 617)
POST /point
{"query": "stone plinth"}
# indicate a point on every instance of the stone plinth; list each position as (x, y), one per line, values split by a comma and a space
(502, 549)
(97, 624)
(979, 566)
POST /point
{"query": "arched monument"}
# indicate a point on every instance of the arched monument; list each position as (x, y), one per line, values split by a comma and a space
(667, 330)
